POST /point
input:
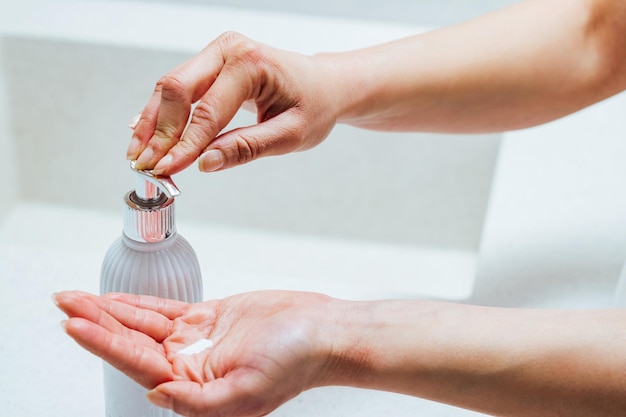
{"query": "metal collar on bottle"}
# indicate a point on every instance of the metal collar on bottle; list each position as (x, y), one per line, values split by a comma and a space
(149, 209)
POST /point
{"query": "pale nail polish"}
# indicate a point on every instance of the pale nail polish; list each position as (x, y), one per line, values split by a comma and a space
(160, 399)
(144, 159)
(211, 160)
(162, 164)
(133, 148)
(64, 325)
(134, 121)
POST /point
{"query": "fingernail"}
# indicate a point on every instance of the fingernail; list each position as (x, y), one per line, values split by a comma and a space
(160, 399)
(163, 164)
(133, 148)
(64, 325)
(54, 298)
(144, 159)
(211, 160)
(134, 121)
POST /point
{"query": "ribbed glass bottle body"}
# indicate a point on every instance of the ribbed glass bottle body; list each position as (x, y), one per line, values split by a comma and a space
(167, 269)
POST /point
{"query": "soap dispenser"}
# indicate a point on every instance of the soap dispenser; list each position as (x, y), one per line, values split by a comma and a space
(150, 258)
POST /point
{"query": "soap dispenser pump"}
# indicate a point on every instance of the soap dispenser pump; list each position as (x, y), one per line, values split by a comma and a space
(150, 258)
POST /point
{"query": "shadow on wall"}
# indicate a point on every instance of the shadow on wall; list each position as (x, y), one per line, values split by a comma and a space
(8, 168)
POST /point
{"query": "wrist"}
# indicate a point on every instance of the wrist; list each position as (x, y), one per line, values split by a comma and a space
(347, 357)
(349, 84)
(376, 344)
(395, 345)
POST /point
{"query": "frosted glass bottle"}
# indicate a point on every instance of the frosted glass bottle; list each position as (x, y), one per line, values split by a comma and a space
(150, 258)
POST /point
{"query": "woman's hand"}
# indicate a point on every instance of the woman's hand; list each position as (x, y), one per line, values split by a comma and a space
(290, 93)
(523, 76)
(265, 347)
(269, 346)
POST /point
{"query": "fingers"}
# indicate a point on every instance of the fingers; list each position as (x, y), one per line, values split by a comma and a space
(228, 396)
(92, 308)
(146, 366)
(168, 308)
(148, 322)
(165, 116)
(211, 114)
(230, 72)
(144, 127)
(276, 136)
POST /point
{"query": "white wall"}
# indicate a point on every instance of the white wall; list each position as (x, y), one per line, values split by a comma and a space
(81, 70)
(415, 189)
(555, 230)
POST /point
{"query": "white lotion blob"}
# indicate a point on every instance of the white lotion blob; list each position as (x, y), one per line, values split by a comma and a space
(196, 347)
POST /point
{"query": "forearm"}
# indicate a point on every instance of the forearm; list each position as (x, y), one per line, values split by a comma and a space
(524, 65)
(506, 362)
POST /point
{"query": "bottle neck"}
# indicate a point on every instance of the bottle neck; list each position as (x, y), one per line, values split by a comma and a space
(150, 246)
(146, 222)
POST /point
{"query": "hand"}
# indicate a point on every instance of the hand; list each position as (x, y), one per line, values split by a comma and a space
(290, 92)
(269, 346)
(265, 347)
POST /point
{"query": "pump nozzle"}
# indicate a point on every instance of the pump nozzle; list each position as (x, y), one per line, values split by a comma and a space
(149, 186)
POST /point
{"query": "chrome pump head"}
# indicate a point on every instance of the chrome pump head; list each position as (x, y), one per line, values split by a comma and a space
(149, 210)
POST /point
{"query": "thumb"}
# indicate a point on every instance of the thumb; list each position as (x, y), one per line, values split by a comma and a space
(184, 397)
(222, 397)
(277, 136)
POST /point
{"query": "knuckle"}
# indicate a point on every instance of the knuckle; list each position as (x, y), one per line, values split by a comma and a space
(161, 143)
(138, 356)
(187, 150)
(251, 53)
(246, 149)
(205, 115)
(139, 319)
(238, 48)
(173, 88)
(230, 38)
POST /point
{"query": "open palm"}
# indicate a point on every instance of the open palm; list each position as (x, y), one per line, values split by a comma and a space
(263, 352)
